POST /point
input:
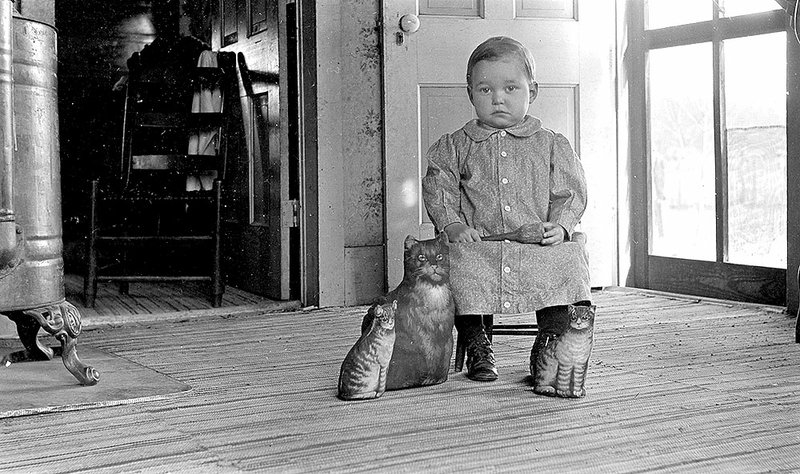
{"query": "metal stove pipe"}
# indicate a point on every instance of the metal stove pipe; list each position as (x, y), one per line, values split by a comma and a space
(8, 229)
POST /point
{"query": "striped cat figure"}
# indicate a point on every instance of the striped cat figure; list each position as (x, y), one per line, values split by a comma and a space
(559, 363)
(363, 373)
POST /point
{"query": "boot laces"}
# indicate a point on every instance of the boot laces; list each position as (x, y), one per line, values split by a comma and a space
(479, 347)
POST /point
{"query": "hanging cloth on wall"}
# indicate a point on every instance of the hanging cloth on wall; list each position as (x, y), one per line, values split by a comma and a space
(207, 99)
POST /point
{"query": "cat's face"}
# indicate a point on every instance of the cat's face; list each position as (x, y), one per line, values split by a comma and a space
(581, 317)
(384, 314)
(428, 260)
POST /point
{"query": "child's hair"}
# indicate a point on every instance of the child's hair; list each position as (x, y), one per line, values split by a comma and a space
(498, 47)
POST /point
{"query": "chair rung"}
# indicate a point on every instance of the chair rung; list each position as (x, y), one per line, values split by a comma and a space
(144, 278)
(515, 326)
(207, 73)
(505, 332)
(155, 238)
(132, 196)
(178, 119)
(160, 119)
(180, 163)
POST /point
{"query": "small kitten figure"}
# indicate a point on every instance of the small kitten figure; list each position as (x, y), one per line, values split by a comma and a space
(424, 317)
(363, 373)
(559, 363)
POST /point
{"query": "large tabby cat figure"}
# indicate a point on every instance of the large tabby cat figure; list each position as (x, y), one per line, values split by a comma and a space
(424, 318)
(363, 373)
(559, 363)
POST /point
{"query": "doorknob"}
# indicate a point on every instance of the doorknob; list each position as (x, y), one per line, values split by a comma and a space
(409, 23)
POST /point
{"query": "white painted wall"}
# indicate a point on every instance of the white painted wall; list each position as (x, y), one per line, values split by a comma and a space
(598, 147)
(330, 153)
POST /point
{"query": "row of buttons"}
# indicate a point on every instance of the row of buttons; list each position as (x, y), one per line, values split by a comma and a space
(507, 304)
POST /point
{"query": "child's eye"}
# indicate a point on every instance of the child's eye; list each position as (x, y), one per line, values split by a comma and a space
(422, 258)
(511, 88)
(484, 90)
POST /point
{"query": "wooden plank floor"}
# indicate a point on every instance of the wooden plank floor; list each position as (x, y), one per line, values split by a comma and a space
(675, 385)
(155, 300)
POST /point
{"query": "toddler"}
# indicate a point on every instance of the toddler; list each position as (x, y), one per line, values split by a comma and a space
(496, 173)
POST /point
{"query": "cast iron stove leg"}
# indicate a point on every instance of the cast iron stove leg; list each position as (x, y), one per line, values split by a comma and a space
(62, 321)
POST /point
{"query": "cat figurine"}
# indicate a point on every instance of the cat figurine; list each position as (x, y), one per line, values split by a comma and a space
(424, 318)
(559, 363)
(363, 373)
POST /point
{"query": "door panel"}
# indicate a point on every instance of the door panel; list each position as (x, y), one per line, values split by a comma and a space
(425, 86)
(557, 107)
(464, 8)
(546, 8)
(443, 109)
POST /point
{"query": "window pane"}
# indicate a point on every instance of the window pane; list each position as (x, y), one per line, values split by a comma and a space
(744, 7)
(755, 116)
(682, 207)
(663, 13)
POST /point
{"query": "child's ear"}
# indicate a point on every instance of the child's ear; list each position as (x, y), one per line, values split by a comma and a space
(534, 92)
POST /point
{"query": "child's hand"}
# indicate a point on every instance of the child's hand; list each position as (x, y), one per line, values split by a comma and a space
(458, 232)
(553, 234)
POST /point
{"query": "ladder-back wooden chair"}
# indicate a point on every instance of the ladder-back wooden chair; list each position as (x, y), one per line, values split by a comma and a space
(159, 218)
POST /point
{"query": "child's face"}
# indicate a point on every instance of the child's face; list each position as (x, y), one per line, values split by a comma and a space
(500, 92)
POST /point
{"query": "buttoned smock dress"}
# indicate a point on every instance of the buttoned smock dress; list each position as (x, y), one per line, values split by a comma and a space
(495, 180)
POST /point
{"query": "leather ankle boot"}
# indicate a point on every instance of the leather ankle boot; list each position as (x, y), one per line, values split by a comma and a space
(480, 357)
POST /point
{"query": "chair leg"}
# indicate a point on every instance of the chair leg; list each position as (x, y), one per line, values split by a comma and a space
(124, 286)
(90, 280)
(488, 325)
(461, 348)
(217, 285)
(797, 322)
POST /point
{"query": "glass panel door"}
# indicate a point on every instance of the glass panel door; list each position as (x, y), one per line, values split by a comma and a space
(682, 220)
(714, 145)
(755, 131)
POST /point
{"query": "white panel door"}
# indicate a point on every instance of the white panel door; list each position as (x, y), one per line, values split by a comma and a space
(425, 93)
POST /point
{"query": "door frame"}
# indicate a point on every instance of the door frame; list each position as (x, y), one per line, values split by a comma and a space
(308, 152)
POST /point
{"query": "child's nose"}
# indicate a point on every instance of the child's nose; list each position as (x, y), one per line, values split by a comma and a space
(497, 98)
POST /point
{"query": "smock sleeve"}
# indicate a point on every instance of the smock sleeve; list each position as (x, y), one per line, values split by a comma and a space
(567, 186)
(440, 186)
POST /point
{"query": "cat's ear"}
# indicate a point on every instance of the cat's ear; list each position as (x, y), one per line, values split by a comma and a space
(378, 311)
(409, 242)
(394, 305)
(443, 238)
